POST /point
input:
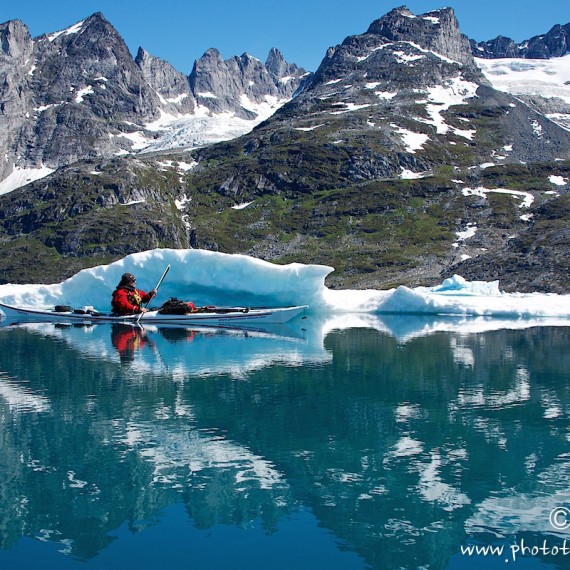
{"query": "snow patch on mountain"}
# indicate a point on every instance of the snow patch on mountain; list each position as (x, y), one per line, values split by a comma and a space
(76, 28)
(413, 141)
(386, 95)
(468, 232)
(441, 97)
(82, 93)
(22, 176)
(410, 175)
(558, 180)
(526, 197)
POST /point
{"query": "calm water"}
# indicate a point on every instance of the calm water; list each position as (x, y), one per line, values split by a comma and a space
(295, 450)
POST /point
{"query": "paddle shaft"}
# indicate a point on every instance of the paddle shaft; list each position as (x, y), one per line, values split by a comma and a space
(155, 290)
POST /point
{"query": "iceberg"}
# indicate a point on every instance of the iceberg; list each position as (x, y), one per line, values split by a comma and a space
(213, 278)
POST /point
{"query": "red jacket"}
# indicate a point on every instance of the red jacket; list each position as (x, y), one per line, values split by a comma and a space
(128, 339)
(128, 301)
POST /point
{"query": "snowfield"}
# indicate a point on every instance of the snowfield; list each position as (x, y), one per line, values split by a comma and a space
(546, 77)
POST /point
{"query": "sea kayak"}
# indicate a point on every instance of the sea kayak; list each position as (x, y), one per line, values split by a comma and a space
(214, 316)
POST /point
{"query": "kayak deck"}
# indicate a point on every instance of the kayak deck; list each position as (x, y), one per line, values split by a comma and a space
(206, 315)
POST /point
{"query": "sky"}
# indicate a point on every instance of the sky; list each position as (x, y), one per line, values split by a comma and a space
(180, 31)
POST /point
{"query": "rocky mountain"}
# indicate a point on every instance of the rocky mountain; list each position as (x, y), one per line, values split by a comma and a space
(218, 84)
(78, 94)
(76, 90)
(397, 161)
(555, 43)
(171, 86)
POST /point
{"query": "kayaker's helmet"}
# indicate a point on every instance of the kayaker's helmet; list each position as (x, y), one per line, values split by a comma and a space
(127, 279)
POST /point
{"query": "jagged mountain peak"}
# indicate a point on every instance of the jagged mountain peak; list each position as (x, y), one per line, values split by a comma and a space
(397, 21)
(96, 23)
(399, 52)
(437, 30)
(555, 43)
(97, 17)
(145, 58)
(94, 39)
(248, 57)
(218, 84)
(277, 65)
(15, 39)
(142, 55)
(274, 58)
(171, 86)
(211, 54)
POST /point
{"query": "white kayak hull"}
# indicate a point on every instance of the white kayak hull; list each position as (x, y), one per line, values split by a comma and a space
(213, 316)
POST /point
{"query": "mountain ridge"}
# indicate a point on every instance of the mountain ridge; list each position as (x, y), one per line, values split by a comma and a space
(394, 163)
(78, 93)
(555, 43)
(384, 111)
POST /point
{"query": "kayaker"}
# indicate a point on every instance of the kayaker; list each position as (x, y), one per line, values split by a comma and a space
(127, 299)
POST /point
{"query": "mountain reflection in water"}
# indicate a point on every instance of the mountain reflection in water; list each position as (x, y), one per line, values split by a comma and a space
(404, 441)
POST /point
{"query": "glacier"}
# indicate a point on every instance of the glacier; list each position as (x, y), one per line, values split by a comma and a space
(548, 78)
(519, 76)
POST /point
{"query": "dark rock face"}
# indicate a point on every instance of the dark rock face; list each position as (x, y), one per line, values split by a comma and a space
(436, 31)
(555, 43)
(16, 41)
(71, 90)
(15, 100)
(171, 86)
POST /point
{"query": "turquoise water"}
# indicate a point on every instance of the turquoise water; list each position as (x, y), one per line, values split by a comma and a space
(293, 448)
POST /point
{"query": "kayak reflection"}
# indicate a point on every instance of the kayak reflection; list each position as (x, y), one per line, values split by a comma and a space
(182, 351)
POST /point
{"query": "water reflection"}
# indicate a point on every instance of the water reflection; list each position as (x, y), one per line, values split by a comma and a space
(188, 351)
(405, 447)
(127, 339)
